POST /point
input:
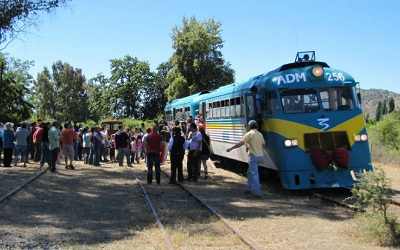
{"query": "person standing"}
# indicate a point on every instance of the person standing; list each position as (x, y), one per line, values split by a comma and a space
(86, 145)
(195, 144)
(122, 145)
(97, 144)
(205, 151)
(21, 143)
(177, 146)
(8, 144)
(37, 142)
(45, 144)
(256, 143)
(54, 144)
(68, 140)
(154, 146)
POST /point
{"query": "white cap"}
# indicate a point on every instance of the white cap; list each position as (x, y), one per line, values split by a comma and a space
(252, 123)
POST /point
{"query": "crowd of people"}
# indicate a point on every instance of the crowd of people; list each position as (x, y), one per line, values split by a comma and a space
(51, 143)
(47, 142)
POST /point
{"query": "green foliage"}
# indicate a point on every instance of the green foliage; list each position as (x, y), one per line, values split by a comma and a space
(374, 191)
(15, 81)
(155, 99)
(391, 105)
(378, 111)
(388, 130)
(197, 61)
(62, 94)
(17, 15)
(128, 78)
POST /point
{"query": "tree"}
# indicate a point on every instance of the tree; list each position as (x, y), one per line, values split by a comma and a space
(389, 130)
(128, 76)
(99, 98)
(72, 99)
(17, 15)
(14, 89)
(154, 99)
(46, 95)
(62, 94)
(384, 108)
(378, 112)
(391, 105)
(197, 61)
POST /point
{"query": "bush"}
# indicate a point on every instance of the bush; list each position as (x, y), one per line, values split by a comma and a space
(377, 223)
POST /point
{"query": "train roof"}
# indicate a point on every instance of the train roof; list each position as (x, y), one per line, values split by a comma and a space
(187, 100)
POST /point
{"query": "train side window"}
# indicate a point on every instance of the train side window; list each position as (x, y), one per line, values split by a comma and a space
(208, 110)
(241, 106)
(223, 109)
(227, 108)
(271, 104)
(232, 107)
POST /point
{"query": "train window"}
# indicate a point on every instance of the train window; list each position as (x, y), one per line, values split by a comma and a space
(209, 110)
(338, 98)
(223, 109)
(227, 108)
(271, 105)
(241, 106)
(299, 101)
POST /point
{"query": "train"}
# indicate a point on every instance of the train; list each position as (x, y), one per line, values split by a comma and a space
(309, 114)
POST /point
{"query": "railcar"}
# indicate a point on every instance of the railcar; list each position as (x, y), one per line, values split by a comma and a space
(309, 114)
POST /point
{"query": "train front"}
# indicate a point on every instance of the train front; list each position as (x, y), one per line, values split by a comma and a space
(314, 127)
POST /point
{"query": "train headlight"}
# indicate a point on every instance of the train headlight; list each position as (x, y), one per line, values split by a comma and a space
(291, 143)
(317, 71)
(361, 137)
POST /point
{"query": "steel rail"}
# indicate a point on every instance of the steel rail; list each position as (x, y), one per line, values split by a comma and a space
(23, 185)
(225, 221)
(160, 225)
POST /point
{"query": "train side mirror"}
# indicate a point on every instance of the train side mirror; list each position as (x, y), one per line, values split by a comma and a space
(359, 97)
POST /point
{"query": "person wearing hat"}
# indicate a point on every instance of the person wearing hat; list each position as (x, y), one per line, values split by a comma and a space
(8, 143)
(256, 144)
(177, 146)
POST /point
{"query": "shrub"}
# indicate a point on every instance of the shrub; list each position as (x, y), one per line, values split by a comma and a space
(377, 223)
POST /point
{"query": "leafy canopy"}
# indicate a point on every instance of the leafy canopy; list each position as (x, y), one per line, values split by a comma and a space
(197, 61)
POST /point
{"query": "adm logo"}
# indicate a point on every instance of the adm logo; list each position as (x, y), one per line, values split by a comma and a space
(324, 123)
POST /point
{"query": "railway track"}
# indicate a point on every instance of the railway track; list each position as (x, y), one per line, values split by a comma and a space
(196, 201)
(172, 205)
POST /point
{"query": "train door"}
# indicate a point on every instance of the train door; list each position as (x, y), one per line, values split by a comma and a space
(250, 110)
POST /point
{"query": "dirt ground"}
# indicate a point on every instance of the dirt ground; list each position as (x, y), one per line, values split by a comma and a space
(92, 208)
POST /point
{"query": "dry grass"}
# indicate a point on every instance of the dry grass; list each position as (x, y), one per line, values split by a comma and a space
(92, 208)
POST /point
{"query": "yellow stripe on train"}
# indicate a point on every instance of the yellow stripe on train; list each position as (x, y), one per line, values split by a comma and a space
(289, 129)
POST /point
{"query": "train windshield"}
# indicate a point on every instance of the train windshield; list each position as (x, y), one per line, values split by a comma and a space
(337, 98)
(299, 101)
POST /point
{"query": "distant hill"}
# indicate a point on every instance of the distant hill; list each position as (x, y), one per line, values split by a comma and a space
(371, 97)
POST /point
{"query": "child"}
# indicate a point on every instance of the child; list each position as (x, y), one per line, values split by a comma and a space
(139, 147)
(133, 148)
(112, 148)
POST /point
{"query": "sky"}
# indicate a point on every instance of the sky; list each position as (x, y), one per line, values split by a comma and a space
(360, 37)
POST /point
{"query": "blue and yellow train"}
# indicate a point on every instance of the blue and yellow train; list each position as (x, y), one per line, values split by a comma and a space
(309, 114)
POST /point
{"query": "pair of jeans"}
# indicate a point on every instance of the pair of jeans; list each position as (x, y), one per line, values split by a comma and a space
(91, 155)
(124, 152)
(193, 163)
(45, 154)
(253, 180)
(54, 156)
(153, 159)
(96, 156)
